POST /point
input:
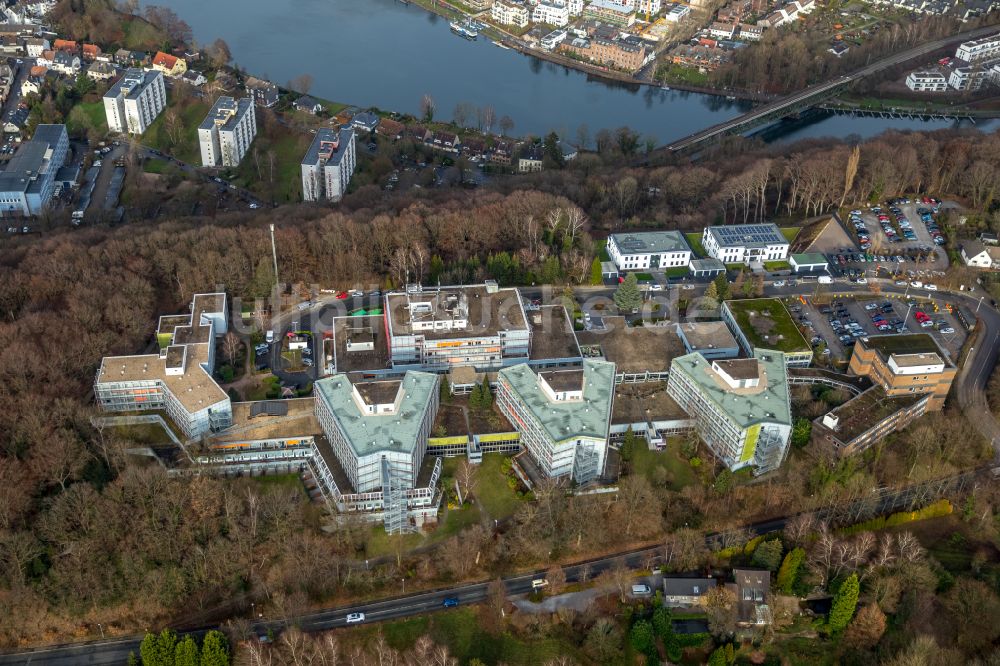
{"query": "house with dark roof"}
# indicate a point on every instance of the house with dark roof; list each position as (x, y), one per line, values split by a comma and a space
(308, 104)
(264, 93)
(366, 121)
(390, 128)
(753, 590)
(686, 592)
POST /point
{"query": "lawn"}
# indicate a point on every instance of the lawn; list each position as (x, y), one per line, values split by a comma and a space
(285, 481)
(157, 166)
(694, 240)
(380, 543)
(601, 250)
(140, 35)
(192, 113)
(646, 462)
(288, 146)
(644, 277)
(778, 325)
(267, 389)
(493, 492)
(790, 233)
(777, 266)
(92, 112)
(676, 272)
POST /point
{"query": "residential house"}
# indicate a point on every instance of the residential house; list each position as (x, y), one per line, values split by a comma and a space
(11, 45)
(745, 243)
(65, 45)
(101, 71)
(366, 121)
(926, 81)
(839, 48)
(170, 65)
(34, 81)
(446, 141)
(473, 147)
(677, 12)
(529, 160)
(750, 33)
(510, 12)
(984, 48)
(194, 78)
(686, 592)
(264, 93)
(978, 255)
(308, 104)
(753, 590)
(989, 237)
(391, 129)
(35, 46)
(722, 30)
(646, 250)
(419, 133)
(551, 12)
(503, 153)
(63, 62)
(91, 52)
(626, 54)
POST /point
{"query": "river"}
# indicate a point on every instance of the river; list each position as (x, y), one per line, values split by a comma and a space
(385, 54)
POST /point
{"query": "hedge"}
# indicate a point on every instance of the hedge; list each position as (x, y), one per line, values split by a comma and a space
(692, 640)
(938, 509)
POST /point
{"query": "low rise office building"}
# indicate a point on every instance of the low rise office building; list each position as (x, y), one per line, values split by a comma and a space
(765, 323)
(741, 407)
(976, 50)
(745, 243)
(178, 379)
(563, 416)
(649, 250)
(609, 11)
(135, 100)
(28, 181)
(867, 419)
(328, 165)
(905, 364)
(226, 134)
(711, 339)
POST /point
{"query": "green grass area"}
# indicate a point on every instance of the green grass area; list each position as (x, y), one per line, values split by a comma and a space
(919, 343)
(285, 481)
(157, 166)
(773, 320)
(143, 433)
(694, 240)
(186, 149)
(288, 147)
(790, 233)
(493, 493)
(268, 388)
(380, 543)
(86, 115)
(735, 267)
(646, 462)
(676, 272)
(644, 277)
(141, 35)
(777, 266)
(676, 73)
(456, 520)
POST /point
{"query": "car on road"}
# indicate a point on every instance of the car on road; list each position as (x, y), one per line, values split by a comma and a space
(779, 283)
(269, 337)
(450, 602)
(354, 618)
(539, 583)
(916, 284)
(947, 329)
(656, 287)
(930, 287)
(341, 295)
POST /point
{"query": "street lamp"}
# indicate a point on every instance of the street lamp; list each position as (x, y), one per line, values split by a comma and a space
(978, 305)
(101, 627)
(403, 581)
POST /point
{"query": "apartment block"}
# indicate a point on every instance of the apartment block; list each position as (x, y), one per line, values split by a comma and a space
(510, 12)
(649, 250)
(905, 364)
(609, 11)
(625, 53)
(27, 184)
(927, 81)
(741, 407)
(983, 48)
(562, 415)
(178, 379)
(135, 100)
(378, 429)
(745, 243)
(227, 132)
(441, 327)
(551, 12)
(328, 165)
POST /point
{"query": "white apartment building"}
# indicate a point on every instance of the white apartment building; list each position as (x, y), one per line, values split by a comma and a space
(648, 8)
(551, 12)
(227, 132)
(328, 165)
(649, 250)
(575, 7)
(563, 415)
(508, 12)
(368, 422)
(179, 378)
(927, 81)
(135, 100)
(678, 12)
(984, 48)
(741, 407)
(970, 77)
(745, 243)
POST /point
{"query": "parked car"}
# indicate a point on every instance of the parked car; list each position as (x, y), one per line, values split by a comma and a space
(354, 618)
(450, 602)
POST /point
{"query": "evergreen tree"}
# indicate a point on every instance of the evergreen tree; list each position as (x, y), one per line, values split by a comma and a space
(132, 659)
(844, 603)
(435, 270)
(476, 396)
(215, 649)
(768, 555)
(158, 649)
(730, 653)
(487, 395)
(722, 287)
(552, 151)
(187, 653)
(712, 291)
(801, 432)
(628, 297)
(718, 658)
(788, 574)
(596, 276)
(642, 639)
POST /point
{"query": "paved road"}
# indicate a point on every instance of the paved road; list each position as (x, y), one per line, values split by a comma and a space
(820, 88)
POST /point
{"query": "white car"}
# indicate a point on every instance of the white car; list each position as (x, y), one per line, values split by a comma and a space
(656, 287)
(354, 618)
(930, 287)
(779, 283)
(916, 284)
(862, 281)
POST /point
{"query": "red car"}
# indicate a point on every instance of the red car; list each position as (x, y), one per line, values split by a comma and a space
(341, 295)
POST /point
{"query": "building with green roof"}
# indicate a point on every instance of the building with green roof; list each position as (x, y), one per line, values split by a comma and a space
(370, 420)
(808, 262)
(562, 415)
(765, 323)
(741, 407)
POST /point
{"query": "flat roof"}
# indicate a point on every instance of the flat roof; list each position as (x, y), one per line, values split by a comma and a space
(371, 433)
(488, 313)
(651, 242)
(132, 83)
(766, 403)
(708, 335)
(382, 392)
(563, 380)
(552, 334)
(328, 146)
(648, 400)
(590, 417)
(808, 259)
(227, 112)
(766, 322)
(865, 411)
(748, 235)
(914, 360)
(31, 159)
(299, 420)
(635, 348)
(906, 343)
(707, 264)
(358, 361)
(739, 368)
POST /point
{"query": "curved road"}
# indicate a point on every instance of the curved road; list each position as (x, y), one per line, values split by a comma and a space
(820, 88)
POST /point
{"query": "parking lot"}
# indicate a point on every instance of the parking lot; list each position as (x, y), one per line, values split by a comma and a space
(898, 232)
(842, 320)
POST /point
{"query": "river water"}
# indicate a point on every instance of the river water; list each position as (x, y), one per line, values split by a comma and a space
(386, 54)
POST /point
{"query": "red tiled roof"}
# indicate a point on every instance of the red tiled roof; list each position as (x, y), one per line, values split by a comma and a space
(92, 50)
(64, 45)
(165, 60)
(38, 70)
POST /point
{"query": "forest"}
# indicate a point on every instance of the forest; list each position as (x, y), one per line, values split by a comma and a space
(89, 534)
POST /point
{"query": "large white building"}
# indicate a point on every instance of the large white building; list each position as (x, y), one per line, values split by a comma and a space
(28, 181)
(649, 250)
(551, 12)
(135, 100)
(226, 134)
(563, 415)
(378, 429)
(443, 327)
(510, 12)
(745, 243)
(179, 378)
(741, 407)
(970, 77)
(927, 81)
(328, 165)
(975, 50)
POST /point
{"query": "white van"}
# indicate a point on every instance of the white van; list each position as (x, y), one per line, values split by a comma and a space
(825, 279)
(269, 337)
(641, 590)
(539, 583)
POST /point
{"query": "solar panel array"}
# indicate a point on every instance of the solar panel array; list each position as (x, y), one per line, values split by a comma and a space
(749, 234)
(269, 408)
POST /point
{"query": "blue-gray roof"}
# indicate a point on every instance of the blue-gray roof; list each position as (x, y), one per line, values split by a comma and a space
(328, 136)
(134, 81)
(748, 235)
(31, 159)
(651, 242)
(227, 110)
